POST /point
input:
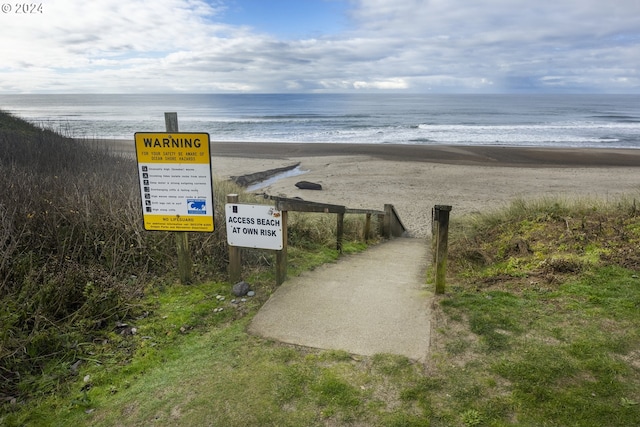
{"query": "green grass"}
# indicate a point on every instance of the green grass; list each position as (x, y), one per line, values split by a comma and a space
(225, 377)
(507, 354)
(560, 358)
(546, 345)
(561, 340)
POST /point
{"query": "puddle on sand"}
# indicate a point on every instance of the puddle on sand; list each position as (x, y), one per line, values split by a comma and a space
(267, 182)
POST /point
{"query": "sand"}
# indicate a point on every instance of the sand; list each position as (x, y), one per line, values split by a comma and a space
(415, 178)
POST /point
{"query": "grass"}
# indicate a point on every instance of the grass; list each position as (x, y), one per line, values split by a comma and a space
(562, 357)
(544, 345)
(548, 305)
(215, 371)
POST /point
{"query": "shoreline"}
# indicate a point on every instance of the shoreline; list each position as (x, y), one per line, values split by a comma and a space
(477, 155)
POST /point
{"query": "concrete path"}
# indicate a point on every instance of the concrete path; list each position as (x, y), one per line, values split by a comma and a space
(367, 303)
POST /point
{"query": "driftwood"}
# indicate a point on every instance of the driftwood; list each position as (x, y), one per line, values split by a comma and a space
(252, 178)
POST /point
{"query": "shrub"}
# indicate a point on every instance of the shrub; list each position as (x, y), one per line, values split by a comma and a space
(74, 257)
(73, 253)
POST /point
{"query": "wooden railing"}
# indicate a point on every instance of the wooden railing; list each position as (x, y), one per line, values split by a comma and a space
(389, 219)
(389, 222)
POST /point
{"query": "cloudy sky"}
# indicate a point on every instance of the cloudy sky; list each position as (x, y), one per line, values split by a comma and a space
(440, 46)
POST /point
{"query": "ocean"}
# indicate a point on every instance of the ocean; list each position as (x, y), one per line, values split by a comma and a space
(611, 121)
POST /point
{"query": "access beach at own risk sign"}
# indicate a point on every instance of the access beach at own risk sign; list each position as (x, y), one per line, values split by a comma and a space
(254, 226)
(175, 181)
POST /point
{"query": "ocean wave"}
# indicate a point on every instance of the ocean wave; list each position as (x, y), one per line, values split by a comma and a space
(618, 118)
(595, 121)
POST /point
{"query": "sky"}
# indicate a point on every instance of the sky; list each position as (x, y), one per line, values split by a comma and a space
(320, 46)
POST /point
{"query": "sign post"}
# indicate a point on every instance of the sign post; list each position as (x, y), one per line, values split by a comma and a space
(176, 185)
(235, 256)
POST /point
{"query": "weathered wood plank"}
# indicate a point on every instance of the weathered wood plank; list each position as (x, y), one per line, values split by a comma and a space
(364, 211)
(442, 218)
(339, 232)
(297, 205)
(253, 178)
(281, 255)
(235, 254)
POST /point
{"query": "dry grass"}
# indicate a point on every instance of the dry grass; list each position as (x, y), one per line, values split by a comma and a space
(74, 257)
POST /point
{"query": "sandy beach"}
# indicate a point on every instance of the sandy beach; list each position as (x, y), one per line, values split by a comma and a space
(414, 178)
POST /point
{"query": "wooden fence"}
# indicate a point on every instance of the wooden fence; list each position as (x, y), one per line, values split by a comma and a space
(389, 222)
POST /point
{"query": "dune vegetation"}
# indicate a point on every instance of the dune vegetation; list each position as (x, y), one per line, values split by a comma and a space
(74, 258)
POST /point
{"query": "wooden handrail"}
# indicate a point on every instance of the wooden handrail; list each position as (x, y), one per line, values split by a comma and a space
(391, 226)
(298, 205)
(309, 206)
(364, 211)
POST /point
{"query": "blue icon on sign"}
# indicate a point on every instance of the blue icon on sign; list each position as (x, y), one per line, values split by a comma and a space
(196, 206)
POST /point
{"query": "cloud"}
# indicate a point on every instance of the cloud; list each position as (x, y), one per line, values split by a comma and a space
(575, 41)
(398, 45)
(395, 83)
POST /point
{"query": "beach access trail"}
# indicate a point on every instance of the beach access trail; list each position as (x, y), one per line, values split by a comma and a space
(366, 303)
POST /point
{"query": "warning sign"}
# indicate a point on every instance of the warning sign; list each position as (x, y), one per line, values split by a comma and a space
(254, 226)
(175, 181)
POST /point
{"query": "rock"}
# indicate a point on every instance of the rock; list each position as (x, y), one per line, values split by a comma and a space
(306, 185)
(76, 365)
(251, 294)
(124, 329)
(240, 289)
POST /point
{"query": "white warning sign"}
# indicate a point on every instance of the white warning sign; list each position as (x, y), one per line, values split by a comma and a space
(254, 226)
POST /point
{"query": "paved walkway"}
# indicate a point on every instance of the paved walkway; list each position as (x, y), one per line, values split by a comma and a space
(367, 303)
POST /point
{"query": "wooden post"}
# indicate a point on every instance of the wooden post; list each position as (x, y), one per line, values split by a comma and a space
(388, 212)
(235, 254)
(434, 235)
(281, 256)
(182, 239)
(367, 227)
(381, 224)
(340, 232)
(441, 214)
